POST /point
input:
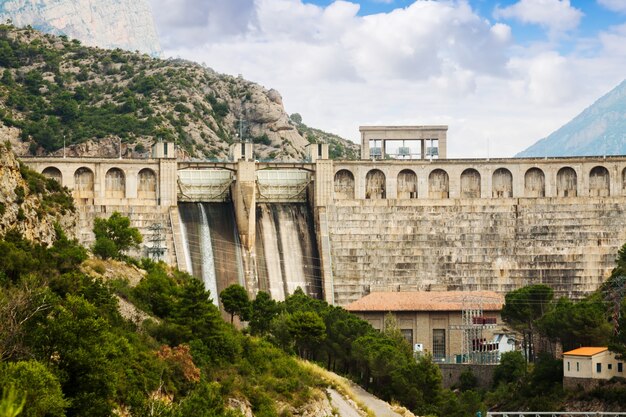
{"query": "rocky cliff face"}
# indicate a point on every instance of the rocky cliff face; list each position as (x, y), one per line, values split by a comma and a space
(31, 205)
(125, 24)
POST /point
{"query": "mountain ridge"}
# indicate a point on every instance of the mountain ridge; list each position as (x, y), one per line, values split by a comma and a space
(597, 130)
(56, 94)
(110, 24)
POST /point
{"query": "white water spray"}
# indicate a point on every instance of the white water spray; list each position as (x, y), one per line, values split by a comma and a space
(208, 264)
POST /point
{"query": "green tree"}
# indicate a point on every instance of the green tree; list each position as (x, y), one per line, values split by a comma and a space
(236, 302)
(524, 307)
(296, 118)
(512, 368)
(43, 390)
(114, 236)
(576, 324)
(157, 292)
(262, 311)
(614, 289)
(81, 344)
(307, 329)
(196, 312)
(467, 380)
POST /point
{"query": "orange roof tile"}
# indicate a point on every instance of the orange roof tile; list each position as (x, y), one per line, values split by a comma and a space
(586, 351)
(428, 301)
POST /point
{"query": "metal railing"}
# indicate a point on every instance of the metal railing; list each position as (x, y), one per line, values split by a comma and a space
(552, 414)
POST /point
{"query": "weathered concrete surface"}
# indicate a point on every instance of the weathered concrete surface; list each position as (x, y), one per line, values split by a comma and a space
(479, 244)
(401, 225)
(451, 374)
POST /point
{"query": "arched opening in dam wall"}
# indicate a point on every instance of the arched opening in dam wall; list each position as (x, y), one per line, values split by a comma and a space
(470, 184)
(566, 182)
(534, 183)
(438, 184)
(407, 184)
(344, 185)
(599, 182)
(502, 183)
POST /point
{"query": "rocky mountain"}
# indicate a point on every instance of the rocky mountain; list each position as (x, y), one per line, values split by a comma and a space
(125, 24)
(55, 91)
(30, 203)
(598, 130)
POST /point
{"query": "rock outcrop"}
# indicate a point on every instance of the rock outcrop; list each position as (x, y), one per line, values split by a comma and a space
(125, 24)
(24, 210)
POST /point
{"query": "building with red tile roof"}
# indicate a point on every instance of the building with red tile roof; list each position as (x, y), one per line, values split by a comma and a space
(432, 320)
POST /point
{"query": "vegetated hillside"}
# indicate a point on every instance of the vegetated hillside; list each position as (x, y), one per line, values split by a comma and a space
(54, 90)
(338, 147)
(31, 204)
(598, 130)
(125, 24)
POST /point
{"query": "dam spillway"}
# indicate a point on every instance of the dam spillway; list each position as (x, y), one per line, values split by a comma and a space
(284, 258)
(210, 240)
(286, 248)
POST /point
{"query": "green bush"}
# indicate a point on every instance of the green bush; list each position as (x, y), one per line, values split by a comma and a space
(263, 140)
(105, 248)
(42, 388)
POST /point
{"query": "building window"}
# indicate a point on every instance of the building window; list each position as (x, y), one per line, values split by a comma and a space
(439, 344)
(620, 367)
(598, 367)
(577, 366)
(610, 366)
(408, 335)
(567, 366)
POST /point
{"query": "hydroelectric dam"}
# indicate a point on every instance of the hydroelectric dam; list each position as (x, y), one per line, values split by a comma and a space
(403, 218)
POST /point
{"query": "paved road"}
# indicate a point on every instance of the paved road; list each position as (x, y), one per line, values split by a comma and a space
(379, 407)
(344, 408)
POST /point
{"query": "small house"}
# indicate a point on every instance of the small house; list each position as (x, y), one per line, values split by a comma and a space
(585, 367)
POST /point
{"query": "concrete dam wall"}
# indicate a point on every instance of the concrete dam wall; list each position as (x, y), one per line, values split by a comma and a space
(498, 245)
(340, 229)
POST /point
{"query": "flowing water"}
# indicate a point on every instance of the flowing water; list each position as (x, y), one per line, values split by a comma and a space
(285, 256)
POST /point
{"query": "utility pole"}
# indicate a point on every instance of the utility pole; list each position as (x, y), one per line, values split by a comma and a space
(157, 248)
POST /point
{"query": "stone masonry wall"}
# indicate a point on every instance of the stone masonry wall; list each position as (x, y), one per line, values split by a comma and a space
(474, 244)
(141, 217)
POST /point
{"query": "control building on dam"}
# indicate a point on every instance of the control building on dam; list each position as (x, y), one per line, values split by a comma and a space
(403, 218)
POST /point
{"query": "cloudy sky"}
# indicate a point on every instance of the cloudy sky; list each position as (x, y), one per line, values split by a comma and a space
(501, 74)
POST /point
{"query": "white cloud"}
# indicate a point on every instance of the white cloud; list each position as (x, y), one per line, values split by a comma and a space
(614, 5)
(614, 40)
(555, 15)
(547, 78)
(428, 63)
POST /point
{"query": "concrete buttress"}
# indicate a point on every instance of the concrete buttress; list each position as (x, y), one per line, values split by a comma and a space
(244, 200)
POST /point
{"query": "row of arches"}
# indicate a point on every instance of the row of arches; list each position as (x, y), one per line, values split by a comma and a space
(470, 183)
(114, 183)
